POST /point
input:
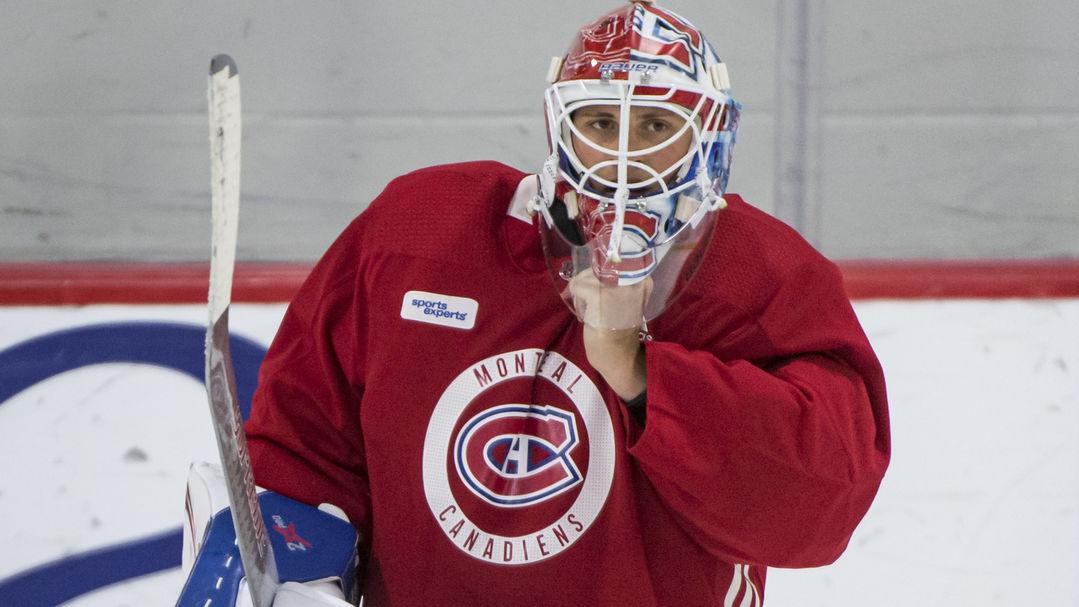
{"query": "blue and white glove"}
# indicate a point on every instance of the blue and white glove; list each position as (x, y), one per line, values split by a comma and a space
(315, 549)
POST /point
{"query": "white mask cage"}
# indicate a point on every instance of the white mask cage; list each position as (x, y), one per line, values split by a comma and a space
(684, 190)
(620, 215)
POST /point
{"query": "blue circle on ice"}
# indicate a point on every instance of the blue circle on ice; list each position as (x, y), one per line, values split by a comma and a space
(169, 345)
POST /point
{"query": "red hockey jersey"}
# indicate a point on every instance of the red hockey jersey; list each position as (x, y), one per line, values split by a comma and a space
(428, 379)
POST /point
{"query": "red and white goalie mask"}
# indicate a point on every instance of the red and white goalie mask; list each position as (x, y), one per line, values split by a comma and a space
(641, 126)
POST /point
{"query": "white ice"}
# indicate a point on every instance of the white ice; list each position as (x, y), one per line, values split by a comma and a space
(980, 506)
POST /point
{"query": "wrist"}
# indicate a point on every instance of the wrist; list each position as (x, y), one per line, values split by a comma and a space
(628, 380)
(618, 357)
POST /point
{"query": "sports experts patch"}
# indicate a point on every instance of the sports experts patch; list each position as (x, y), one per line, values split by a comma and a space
(437, 309)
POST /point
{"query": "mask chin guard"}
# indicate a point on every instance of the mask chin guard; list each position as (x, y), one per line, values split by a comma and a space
(614, 247)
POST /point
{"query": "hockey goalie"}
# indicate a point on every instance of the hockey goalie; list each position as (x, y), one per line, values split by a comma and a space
(611, 382)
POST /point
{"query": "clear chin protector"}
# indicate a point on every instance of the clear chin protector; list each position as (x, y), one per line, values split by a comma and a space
(624, 214)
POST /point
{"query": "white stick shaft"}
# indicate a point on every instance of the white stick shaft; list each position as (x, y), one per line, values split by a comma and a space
(256, 551)
(225, 133)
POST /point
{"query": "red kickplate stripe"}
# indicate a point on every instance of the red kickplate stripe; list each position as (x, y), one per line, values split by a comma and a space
(73, 283)
(986, 279)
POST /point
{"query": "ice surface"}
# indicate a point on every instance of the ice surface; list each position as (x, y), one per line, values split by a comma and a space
(980, 505)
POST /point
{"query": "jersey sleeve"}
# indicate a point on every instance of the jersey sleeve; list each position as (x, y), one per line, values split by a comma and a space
(772, 458)
(304, 431)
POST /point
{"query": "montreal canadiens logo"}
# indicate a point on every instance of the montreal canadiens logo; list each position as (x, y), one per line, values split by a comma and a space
(515, 483)
(518, 455)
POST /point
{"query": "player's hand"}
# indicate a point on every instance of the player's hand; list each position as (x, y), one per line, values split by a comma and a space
(612, 318)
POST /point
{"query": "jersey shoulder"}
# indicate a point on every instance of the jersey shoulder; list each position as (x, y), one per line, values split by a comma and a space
(776, 246)
(446, 207)
(752, 254)
(441, 213)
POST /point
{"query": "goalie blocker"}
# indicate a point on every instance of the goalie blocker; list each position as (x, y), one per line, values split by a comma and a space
(315, 549)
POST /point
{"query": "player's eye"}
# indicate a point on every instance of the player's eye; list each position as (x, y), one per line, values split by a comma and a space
(656, 128)
(603, 126)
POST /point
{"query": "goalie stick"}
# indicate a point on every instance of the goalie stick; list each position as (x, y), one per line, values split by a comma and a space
(223, 95)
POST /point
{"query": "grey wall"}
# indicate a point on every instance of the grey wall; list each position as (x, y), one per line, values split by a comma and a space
(947, 130)
(951, 129)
